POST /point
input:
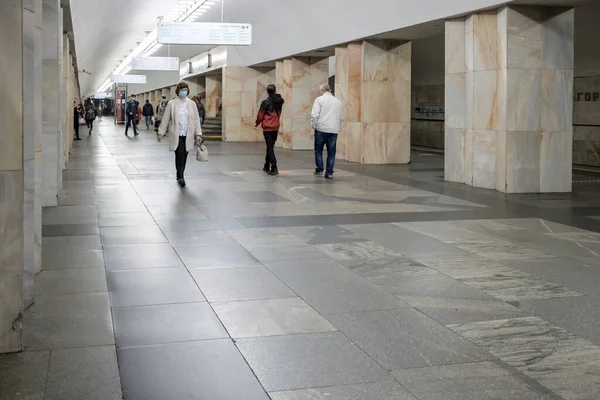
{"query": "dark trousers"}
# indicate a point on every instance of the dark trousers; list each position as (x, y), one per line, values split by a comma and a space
(76, 126)
(131, 120)
(180, 157)
(90, 124)
(325, 139)
(270, 160)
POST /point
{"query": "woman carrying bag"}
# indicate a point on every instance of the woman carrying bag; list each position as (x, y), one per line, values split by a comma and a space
(182, 122)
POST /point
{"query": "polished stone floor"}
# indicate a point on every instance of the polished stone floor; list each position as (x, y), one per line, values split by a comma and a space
(386, 283)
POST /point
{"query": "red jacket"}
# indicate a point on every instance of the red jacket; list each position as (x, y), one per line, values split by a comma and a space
(270, 113)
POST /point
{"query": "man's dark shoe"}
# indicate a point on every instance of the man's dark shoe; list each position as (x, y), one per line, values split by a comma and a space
(273, 172)
(181, 182)
(329, 176)
(266, 168)
(318, 173)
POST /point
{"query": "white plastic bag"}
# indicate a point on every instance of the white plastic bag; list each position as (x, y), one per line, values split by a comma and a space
(202, 153)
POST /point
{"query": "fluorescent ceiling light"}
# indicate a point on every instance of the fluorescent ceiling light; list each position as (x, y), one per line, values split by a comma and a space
(185, 9)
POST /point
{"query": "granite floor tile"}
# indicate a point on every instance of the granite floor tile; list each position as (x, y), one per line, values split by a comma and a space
(557, 359)
(304, 361)
(63, 215)
(89, 373)
(356, 251)
(331, 288)
(117, 236)
(216, 257)
(272, 252)
(171, 323)
(172, 371)
(70, 229)
(270, 318)
(325, 234)
(511, 288)
(126, 219)
(391, 268)
(364, 391)
(152, 287)
(199, 238)
(579, 315)
(58, 244)
(72, 258)
(234, 284)
(141, 256)
(68, 321)
(70, 281)
(471, 381)
(23, 375)
(197, 224)
(406, 338)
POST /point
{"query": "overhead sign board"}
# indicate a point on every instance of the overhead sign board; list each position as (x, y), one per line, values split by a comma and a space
(102, 95)
(155, 63)
(208, 33)
(128, 78)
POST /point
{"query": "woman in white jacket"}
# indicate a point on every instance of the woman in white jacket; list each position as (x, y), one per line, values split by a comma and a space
(182, 123)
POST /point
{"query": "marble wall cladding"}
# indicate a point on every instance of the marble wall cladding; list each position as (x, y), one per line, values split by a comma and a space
(50, 132)
(354, 141)
(454, 147)
(556, 160)
(524, 37)
(523, 162)
(11, 259)
(558, 30)
(515, 106)
(485, 41)
(455, 46)
(214, 89)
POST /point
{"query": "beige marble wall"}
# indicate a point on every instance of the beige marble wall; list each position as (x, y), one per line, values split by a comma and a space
(284, 88)
(37, 118)
(244, 89)
(11, 179)
(214, 90)
(509, 99)
(373, 81)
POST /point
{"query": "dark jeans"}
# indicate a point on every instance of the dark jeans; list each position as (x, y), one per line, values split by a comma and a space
(325, 139)
(76, 126)
(180, 157)
(270, 139)
(90, 124)
(148, 119)
(131, 120)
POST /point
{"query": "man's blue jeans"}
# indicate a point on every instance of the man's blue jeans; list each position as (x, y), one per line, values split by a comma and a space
(325, 139)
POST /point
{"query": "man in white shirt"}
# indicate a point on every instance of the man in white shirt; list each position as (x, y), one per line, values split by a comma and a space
(326, 118)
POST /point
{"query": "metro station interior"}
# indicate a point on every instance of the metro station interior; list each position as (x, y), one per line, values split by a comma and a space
(453, 255)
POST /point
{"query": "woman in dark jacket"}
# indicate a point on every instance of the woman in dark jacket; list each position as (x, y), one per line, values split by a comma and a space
(77, 113)
(90, 116)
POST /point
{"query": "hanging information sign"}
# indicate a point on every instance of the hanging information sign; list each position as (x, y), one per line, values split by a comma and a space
(208, 33)
(155, 63)
(128, 78)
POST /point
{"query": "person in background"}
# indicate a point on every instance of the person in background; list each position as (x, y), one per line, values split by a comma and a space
(182, 123)
(77, 113)
(131, 111)
(90, 116)
(160, 111)
(148, 113)
(326, 118)
(269, 116)
(201, 110)
(101, 108)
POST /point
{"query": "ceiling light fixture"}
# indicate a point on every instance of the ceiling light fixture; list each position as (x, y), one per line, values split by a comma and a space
(185, 9)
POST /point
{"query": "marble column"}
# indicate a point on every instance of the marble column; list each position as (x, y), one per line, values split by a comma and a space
(51, 101)
(373, 81)
(509, 99)
(166, 92)
(244, 89)
(38, 137)
(153, 99)
(195, 88)
(12, 162)
(284, 88)
(214, 89)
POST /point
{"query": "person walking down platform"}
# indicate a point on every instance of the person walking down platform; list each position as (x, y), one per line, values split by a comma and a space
(148, 113)
(182, 123)
(77, 113)
(131, 111)
(269, 116)
(160, 111)
(326, 118)
(90, 116)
